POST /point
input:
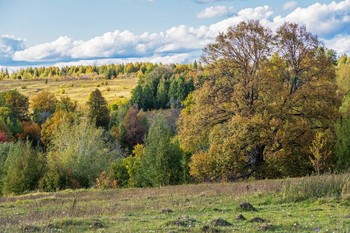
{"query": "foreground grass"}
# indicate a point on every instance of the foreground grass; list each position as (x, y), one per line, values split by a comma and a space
(194, 207)
(76, 89)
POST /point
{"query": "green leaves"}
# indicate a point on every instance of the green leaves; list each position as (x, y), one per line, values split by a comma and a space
(98, 110)
(162, 156)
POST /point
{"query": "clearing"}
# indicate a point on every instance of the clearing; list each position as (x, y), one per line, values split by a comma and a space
(76, 89)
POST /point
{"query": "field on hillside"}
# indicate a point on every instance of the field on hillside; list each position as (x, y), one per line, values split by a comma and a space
(76, 89)
(313, 204)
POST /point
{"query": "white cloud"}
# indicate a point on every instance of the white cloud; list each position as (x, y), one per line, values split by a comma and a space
(290, 5)
(340, 43)
(181, 43)
(8, 46)
(118, 44)
(177, 58)
(215, 11)
(262, 14)
(52, 51)
(325, 20)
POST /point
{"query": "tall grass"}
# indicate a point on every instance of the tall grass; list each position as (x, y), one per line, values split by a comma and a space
(313, 187)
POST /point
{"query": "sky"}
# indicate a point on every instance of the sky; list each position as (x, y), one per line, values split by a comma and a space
(73, 32)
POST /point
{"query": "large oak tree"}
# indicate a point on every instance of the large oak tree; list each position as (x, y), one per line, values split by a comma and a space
(265, 96)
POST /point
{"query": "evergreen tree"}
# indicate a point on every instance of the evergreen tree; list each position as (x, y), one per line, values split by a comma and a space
(98, 109)
(162, 95)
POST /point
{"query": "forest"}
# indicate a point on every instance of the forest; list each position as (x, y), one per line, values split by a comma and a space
(260, 104)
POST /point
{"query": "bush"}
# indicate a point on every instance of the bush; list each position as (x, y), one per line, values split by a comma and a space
(78, 155)
(3, 137)
(120, 173)
(105, 181)
(23, 168)
(4, 150)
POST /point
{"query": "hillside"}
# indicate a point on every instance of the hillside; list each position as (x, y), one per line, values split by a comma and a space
(76, 89)
(313, 204)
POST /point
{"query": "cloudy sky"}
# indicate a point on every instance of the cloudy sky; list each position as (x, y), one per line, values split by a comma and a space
(64, 32)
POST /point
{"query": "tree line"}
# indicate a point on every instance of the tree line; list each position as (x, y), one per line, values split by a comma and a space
(265, 104)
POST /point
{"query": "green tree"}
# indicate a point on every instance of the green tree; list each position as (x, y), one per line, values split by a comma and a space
(23, 168)
(66, 104)
(4, 150)
(162, 155)
(342, 146)
(98, 109)
(78, 154)
(162, 94)
(17, 102)
(43, 105)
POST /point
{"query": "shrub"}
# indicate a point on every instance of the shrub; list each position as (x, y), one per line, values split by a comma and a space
(31, 131)
(105, 181)
(78, 154)
(3, 137)
(23, 168)
(4, 150)
(120, 173)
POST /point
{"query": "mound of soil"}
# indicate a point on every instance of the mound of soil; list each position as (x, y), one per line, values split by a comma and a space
(219, 222)
(246, 206)
(240, 217)
(209, 229)
(183, 222)
(167, 211)
(258, 219)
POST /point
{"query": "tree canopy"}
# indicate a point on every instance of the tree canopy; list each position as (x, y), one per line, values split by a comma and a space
(265, 96)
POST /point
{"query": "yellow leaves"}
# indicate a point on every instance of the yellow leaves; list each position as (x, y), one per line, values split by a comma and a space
(202, 167)
(44, 101)
(320, 153)
(138, 151)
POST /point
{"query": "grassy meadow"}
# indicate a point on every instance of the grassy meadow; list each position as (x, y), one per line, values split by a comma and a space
(311, 204)
(76, 89)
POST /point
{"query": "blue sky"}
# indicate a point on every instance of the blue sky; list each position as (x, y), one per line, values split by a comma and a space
(70, 32)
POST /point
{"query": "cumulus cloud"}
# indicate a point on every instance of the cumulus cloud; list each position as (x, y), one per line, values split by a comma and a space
(177, 58)
(262, 14)
(290, 5)
(8, 46)
(182, 43)
(325, 20)
(340, 43)
(119, 44)
(215, 11)
(52, 51)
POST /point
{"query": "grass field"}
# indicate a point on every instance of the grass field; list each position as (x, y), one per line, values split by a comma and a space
(314, 204)
(76, 89)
